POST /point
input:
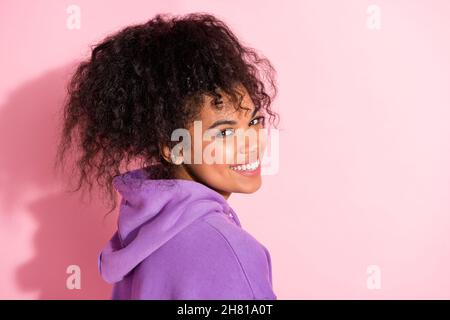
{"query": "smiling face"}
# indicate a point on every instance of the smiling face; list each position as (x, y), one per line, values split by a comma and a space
(230, 157)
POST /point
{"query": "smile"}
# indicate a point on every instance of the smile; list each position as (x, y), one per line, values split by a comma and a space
(246, 167)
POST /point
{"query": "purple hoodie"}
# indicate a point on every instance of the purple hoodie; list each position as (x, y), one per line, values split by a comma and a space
(181, 241)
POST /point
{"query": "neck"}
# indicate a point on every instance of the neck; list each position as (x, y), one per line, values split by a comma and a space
(182, 173)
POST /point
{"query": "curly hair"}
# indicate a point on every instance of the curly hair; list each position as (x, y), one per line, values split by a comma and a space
(146, 80)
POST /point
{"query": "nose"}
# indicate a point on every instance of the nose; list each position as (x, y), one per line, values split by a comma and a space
(248, 149)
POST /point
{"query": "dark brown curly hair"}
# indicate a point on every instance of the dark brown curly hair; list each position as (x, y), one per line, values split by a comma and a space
(146, 80)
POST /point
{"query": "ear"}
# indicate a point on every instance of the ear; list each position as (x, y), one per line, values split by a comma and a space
(165, 153)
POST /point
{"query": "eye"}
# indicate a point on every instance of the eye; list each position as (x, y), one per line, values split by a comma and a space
(260, 119)
(223, 133)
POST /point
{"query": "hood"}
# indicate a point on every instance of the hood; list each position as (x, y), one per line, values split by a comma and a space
(152, 212)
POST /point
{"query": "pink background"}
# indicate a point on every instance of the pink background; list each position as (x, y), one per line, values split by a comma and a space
(364, 175)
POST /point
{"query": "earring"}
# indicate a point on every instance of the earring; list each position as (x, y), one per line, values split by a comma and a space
(177, 160)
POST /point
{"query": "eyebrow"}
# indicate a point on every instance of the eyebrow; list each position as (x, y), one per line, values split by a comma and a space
(230, 122)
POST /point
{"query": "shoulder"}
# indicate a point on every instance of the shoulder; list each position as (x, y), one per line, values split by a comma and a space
(213, 258)
(250, 252)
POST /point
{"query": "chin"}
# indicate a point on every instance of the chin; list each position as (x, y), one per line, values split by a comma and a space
(249, 188)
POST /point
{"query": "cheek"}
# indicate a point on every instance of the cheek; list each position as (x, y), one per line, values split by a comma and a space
(230, 151)
(219, 152)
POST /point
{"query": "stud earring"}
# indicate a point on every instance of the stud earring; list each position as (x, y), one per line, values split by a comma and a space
(177, 160)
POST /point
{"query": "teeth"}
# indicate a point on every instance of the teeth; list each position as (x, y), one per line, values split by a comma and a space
(249, 166)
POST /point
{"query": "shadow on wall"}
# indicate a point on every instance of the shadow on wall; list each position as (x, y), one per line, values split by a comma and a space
(69, 231)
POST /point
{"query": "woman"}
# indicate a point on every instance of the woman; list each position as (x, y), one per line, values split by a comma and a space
(177, 236)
